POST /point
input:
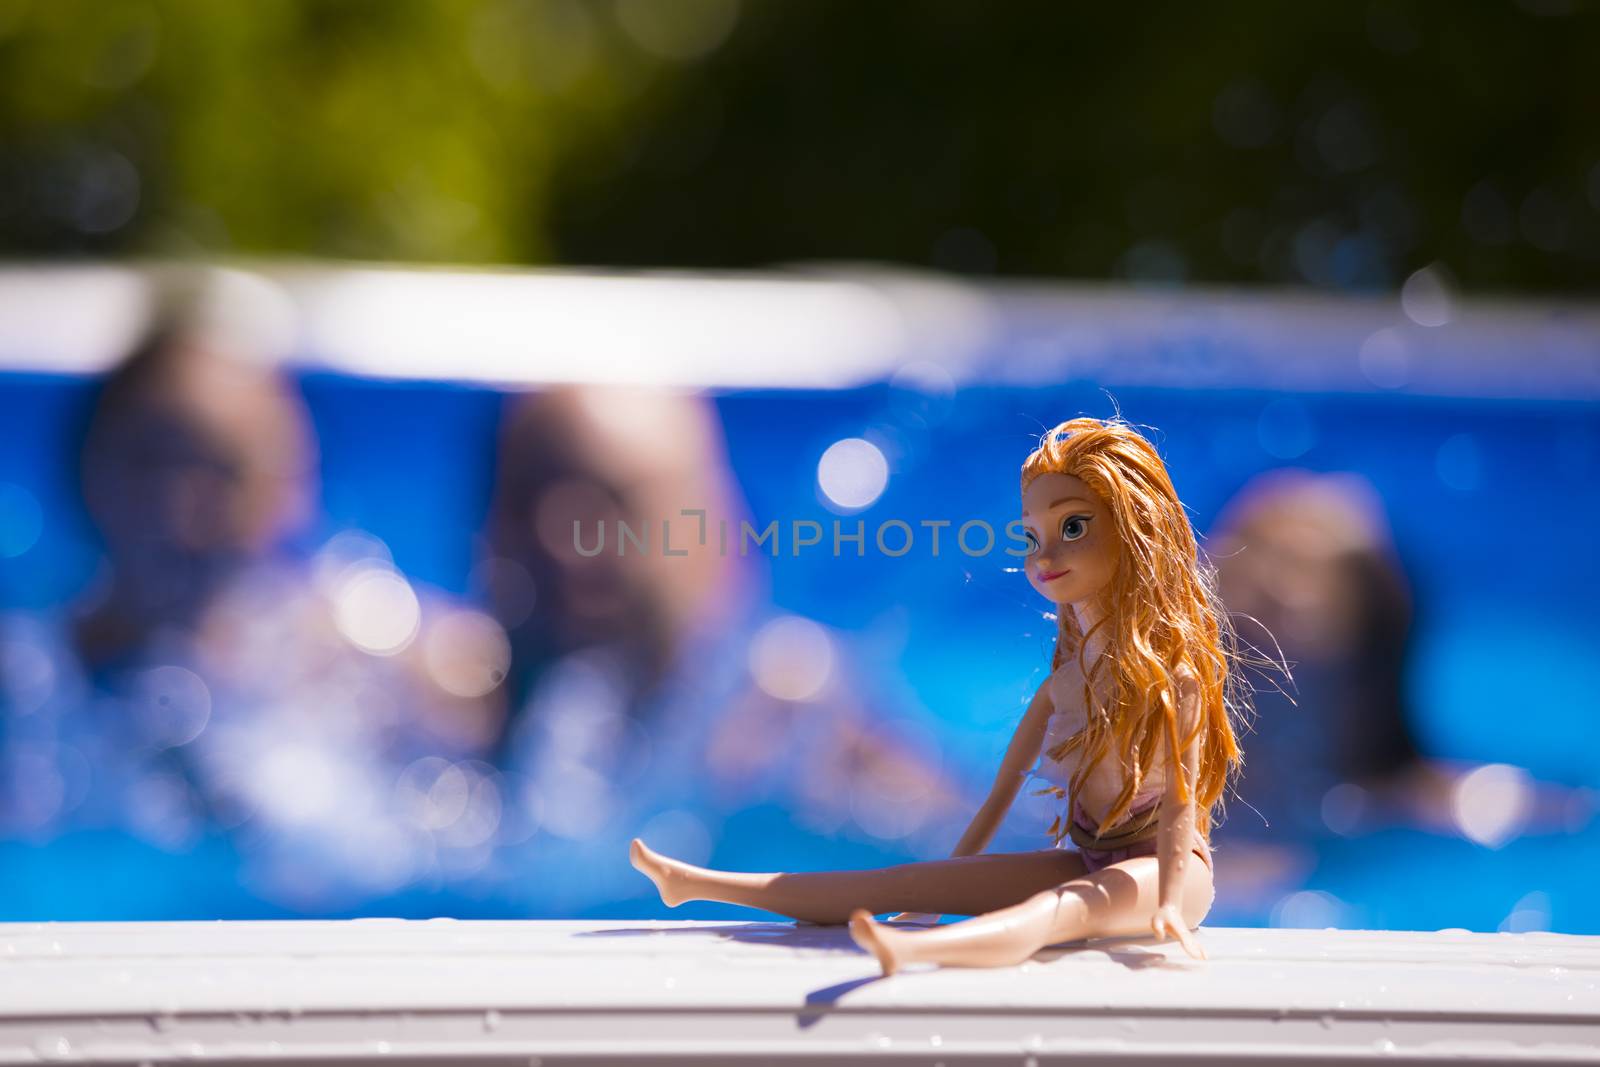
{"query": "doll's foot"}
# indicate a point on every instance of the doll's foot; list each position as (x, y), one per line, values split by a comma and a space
(670, 877)
(876, 939)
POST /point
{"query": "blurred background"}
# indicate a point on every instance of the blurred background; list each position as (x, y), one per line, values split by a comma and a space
(323, 321)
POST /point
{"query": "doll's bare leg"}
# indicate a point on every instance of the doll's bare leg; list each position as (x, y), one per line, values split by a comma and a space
(1117, 901)
(970, 885)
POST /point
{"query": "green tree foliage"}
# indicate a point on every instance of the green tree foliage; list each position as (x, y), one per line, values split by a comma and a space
(1337, 144)
(384, 129)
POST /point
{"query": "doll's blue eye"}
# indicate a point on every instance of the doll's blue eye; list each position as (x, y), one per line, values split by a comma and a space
(1074, 527)
(1033, 541)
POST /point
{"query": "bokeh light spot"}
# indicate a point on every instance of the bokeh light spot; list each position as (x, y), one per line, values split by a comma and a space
(1309, 909)
(1343, 807)
(1425, 298)
(852, 473)
(1491, 804)
(1385, 359)
(791, 658)
(1530, 914)
(104, 193)
(173, 706)
(681, 30)
(466, 653)
(377, 611)
(298, 784)
(27, 676)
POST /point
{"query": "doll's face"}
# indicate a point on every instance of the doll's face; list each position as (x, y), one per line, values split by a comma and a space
(1074, 544)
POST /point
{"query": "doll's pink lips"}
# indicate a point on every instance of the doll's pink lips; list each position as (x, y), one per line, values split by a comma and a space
(1053, 575)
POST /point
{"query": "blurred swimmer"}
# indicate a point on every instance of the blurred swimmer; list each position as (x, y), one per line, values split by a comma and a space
(1308, 560)
(638, 687)
(217, 679)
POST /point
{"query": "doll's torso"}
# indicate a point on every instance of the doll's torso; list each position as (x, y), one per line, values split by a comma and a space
(1099, 791)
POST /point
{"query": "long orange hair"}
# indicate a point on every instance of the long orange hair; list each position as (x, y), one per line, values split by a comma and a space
(1163, 615)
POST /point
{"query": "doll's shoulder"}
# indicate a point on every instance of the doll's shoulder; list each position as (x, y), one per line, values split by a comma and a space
(1186, 687)
(1185, 679)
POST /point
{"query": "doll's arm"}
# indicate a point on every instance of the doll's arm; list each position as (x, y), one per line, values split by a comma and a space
(1176, 836)
(1020, 757)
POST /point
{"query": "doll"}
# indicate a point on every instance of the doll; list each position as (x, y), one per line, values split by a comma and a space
(1134, 726)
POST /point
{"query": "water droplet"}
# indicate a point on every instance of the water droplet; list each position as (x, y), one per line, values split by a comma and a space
(491, 1021)
(52, 1048)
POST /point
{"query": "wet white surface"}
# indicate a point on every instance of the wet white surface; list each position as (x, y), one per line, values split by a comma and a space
(554, 992)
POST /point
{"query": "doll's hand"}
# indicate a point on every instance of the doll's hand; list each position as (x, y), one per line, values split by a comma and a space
(926, 918)
(1167, 922)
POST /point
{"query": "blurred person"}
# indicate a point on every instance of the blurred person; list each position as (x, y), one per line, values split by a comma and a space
(192, 466)
(215, 678)
(573, 463)
(1307, 563)
(196, 464)
(645, 683)
(1306, 568)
